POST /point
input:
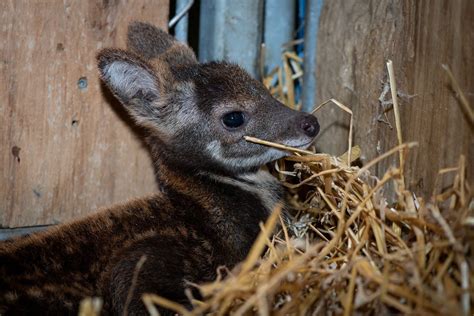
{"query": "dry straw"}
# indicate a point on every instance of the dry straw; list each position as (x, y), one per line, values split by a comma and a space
(347, 249)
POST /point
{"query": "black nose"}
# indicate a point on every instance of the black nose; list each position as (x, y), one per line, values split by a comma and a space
(309, 125)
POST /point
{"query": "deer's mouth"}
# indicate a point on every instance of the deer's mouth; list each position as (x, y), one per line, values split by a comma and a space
(306, 145)
(299, 145)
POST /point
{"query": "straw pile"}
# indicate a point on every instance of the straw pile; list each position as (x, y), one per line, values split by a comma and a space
(345, 249)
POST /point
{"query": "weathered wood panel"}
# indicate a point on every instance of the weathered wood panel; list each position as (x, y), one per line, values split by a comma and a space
(355, 40)
(66, 147)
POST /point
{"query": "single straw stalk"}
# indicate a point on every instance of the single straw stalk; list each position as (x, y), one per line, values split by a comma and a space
(462, 98)
(396, 111)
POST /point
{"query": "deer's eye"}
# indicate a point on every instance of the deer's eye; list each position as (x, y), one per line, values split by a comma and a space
(233, 119)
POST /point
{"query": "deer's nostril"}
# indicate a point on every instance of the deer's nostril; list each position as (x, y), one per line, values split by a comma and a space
(310, 126)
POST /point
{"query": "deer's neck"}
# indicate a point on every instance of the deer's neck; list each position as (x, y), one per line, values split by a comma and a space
(232, 205)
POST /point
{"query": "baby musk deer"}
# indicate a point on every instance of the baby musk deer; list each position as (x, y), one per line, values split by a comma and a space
(212, 197)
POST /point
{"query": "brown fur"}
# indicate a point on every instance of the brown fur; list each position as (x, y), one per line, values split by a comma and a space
(212, 195)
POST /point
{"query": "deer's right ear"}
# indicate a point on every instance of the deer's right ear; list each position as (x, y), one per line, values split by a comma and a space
(149, 42)
(131, 80)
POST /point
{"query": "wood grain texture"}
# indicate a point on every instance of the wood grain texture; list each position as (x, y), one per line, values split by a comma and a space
(66, 146)
(355, 40)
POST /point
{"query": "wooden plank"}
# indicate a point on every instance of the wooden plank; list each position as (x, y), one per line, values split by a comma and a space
(355, 40)
(66, 147)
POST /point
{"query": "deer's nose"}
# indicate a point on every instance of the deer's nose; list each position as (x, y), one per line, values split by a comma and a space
(309, 125)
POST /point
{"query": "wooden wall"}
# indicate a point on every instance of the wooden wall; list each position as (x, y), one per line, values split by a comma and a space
(355, 40)
(66, 146)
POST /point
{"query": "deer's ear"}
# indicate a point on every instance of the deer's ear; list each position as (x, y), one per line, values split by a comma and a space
(131, 80)
(149, 42)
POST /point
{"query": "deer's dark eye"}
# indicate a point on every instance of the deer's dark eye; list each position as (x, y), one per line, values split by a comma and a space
(233, 119)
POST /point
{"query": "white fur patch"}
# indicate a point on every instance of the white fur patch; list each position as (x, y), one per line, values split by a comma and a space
(214, 148)
(261, 183)
(127, 78)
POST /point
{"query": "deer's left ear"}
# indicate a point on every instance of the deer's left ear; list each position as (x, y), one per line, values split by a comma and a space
(132, 81)
(127, 76)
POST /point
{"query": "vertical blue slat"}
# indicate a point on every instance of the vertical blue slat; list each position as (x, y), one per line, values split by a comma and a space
(181, 28)
(313, 11)
(231, 30)
(278, 30)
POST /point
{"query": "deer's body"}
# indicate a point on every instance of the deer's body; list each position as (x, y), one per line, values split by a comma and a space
(182, 237)
(212, 194)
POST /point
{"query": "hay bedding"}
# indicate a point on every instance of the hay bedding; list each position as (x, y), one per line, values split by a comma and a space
(345, 249)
